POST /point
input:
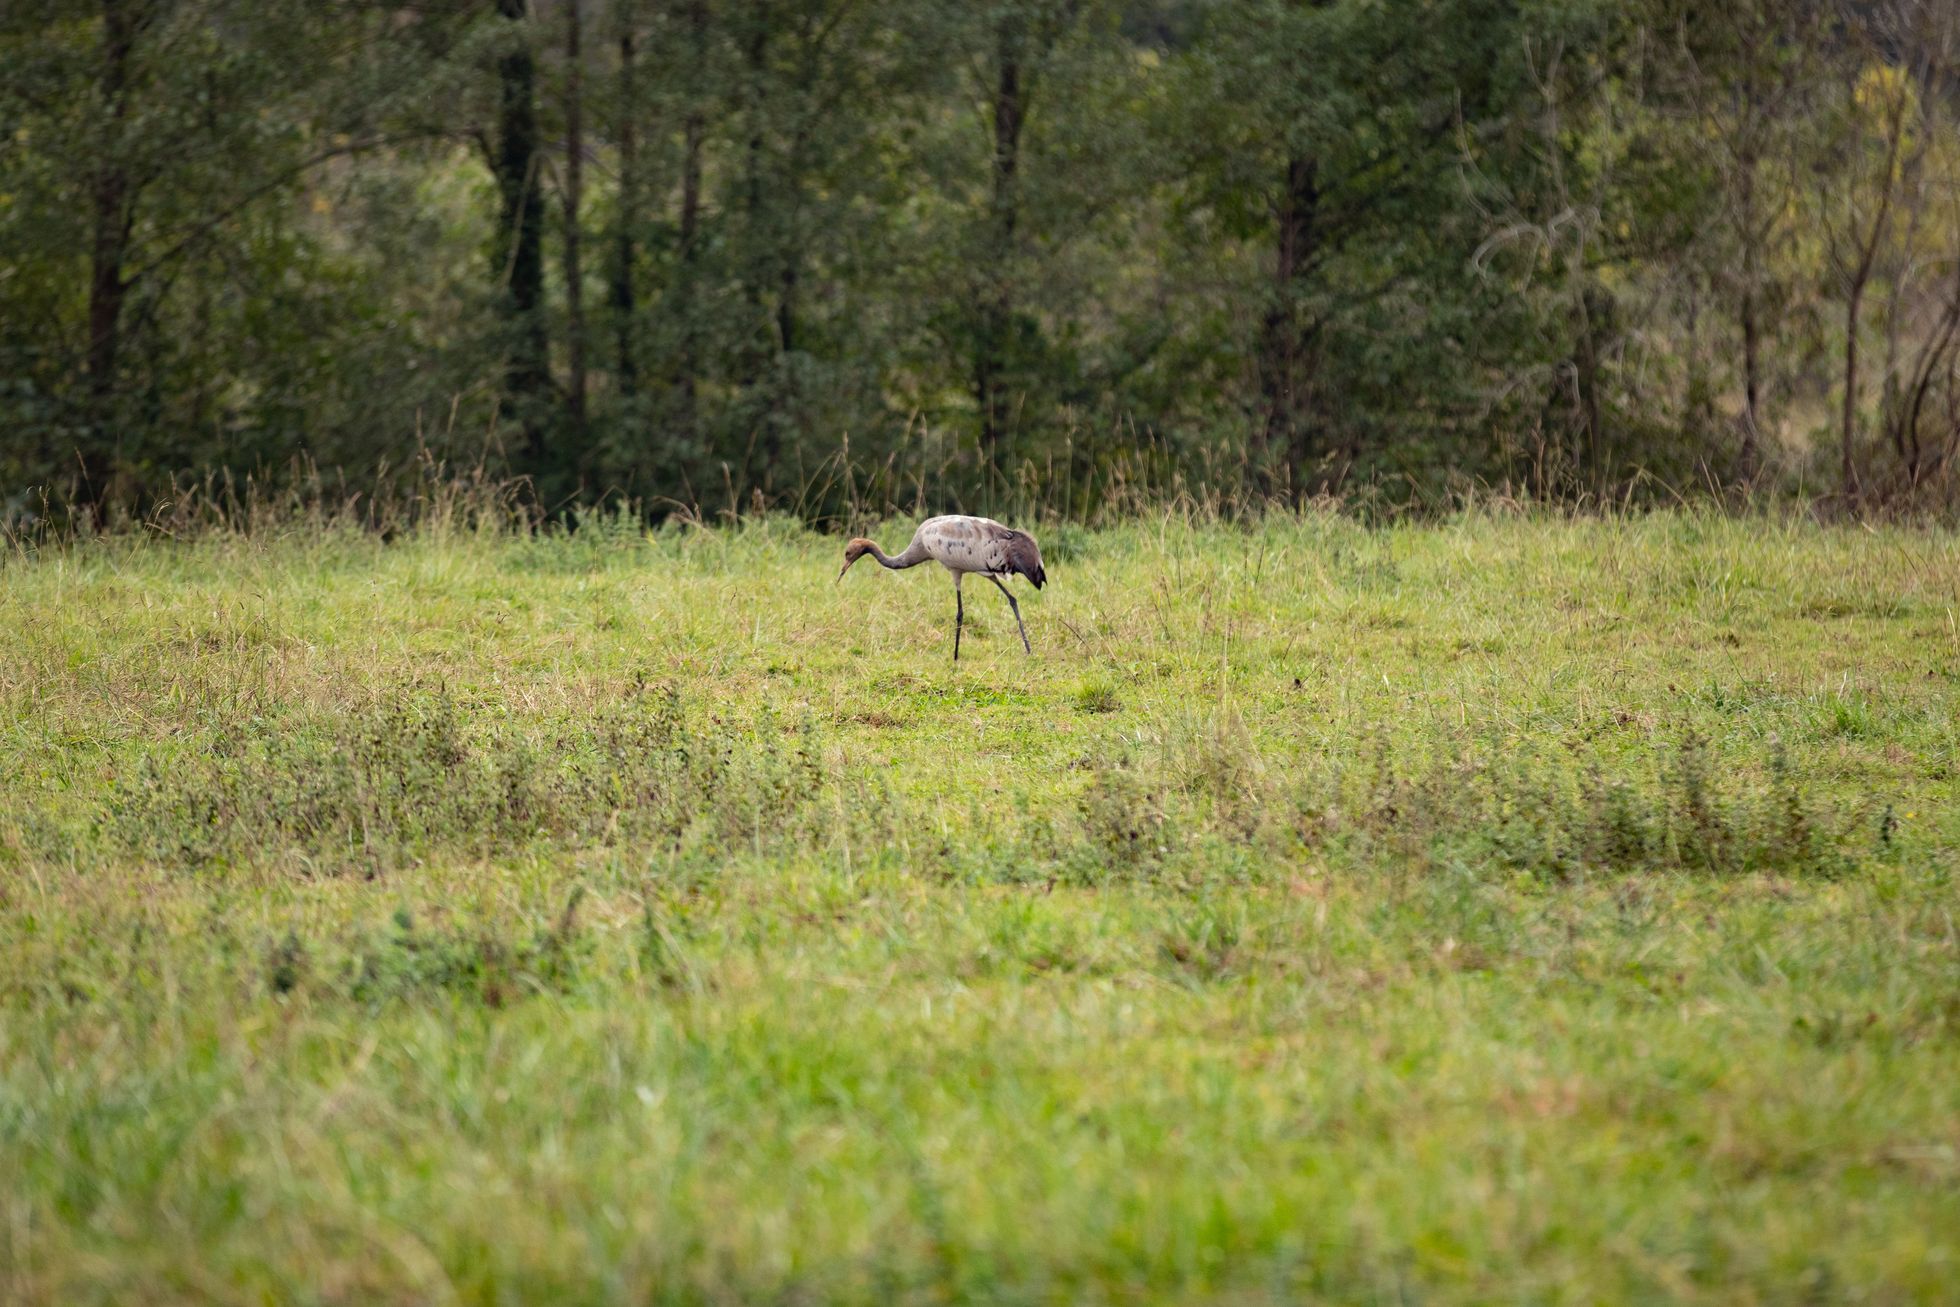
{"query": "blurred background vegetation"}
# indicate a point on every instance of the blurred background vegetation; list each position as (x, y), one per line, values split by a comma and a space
(1047, 256)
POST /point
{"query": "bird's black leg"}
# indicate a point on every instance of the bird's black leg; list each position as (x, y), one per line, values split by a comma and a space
(959, 619)
(1017, 613)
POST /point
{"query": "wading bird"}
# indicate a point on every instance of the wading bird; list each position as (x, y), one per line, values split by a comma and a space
(962, 545)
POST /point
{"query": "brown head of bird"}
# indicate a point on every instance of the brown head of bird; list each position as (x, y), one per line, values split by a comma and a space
(856, 549)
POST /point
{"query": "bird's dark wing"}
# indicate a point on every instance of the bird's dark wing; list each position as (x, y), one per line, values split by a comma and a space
(1009, 551)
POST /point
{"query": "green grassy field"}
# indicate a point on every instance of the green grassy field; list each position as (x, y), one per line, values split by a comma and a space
(1507, 909)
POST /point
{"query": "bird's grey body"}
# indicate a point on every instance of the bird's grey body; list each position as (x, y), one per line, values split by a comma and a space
(964, 546)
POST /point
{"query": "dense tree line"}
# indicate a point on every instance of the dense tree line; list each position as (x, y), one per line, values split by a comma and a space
(799, 253)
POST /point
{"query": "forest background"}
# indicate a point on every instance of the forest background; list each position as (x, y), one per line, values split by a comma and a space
(1039, 256)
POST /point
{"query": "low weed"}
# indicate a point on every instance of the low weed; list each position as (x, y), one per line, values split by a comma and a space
(1578, 812)
(404, 962)
(1096, 696)
(412, 771)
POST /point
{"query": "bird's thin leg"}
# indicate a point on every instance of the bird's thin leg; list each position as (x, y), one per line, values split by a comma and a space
(1017, 613)
(959, 616)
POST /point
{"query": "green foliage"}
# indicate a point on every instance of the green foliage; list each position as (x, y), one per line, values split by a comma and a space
(1018, 256)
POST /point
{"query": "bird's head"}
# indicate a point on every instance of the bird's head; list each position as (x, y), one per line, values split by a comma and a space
(856, 549)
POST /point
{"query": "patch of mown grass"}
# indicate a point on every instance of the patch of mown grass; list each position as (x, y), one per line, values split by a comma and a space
(1502, 909)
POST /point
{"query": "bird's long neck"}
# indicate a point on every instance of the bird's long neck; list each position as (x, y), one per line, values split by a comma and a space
(915, 553)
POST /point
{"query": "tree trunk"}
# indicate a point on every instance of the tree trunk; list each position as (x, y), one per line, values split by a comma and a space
(786, 301)
(621, 299)
(1933, 358)
(1857, 280)
(782, 402)
(1913, 196)
(1848, 463)
(760, 251)
(1595, 312)
(1283, 385)
(574, 187)
(997, 313)
(1750, 459)
(757, 251)
(520, 240)
(690, 257)
(690, 232)
(112, 216)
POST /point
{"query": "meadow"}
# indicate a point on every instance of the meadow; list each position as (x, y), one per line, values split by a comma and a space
(1511, 907)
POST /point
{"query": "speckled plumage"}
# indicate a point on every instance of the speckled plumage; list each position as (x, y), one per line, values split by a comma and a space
(964, 545)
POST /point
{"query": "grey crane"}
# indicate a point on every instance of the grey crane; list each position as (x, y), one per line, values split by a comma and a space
(964, 545)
